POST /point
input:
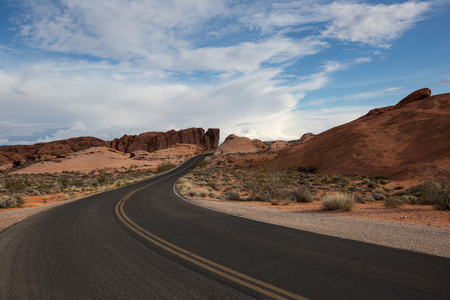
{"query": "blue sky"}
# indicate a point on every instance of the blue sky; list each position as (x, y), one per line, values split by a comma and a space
(262, 69)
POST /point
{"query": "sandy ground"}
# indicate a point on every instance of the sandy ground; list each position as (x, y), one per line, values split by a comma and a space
(102, 158)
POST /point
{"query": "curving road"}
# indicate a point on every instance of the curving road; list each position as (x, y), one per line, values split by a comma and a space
(144, 242)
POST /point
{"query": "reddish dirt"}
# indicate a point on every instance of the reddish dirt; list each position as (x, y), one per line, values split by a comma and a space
(399, 142)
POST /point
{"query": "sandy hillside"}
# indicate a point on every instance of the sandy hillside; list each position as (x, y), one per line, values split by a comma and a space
(97, 158)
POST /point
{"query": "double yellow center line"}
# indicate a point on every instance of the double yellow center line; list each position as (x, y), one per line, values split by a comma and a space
(218, 269)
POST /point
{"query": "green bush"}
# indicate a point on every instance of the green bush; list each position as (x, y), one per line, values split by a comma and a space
(15, 186)
(202, 163)
(165, 167)
(338, 201)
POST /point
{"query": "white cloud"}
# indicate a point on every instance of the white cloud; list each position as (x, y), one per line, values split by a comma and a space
(393, 89)
(372, 24)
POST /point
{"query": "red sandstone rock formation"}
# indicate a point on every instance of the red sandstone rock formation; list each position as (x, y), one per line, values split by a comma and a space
(398, 141)
(152, 141)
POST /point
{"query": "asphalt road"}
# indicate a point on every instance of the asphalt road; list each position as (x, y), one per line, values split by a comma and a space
(144, 242)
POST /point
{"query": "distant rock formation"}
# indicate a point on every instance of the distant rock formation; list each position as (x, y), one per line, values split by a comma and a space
(277, 145)
(150, 141)
(236, 144)
(305, 137)
(398, 141)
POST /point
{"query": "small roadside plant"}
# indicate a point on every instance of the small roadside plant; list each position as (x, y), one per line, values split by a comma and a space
(338, 201)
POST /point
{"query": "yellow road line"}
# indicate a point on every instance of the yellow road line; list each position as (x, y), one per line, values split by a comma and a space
(218, 269)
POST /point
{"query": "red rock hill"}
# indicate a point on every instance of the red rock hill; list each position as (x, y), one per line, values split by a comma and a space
(397, 141)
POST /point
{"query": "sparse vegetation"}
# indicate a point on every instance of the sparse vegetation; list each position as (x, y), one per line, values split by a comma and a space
(13, 188)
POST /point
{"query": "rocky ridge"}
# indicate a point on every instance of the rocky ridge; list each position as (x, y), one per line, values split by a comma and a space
(149, 142)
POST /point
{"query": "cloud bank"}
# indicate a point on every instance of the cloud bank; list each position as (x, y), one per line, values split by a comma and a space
(110, 67)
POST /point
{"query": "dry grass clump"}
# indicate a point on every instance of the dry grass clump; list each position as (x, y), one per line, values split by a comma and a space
(338, 201)
(12, 200)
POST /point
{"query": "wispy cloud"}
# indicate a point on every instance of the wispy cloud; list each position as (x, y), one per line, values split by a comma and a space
(443, 82)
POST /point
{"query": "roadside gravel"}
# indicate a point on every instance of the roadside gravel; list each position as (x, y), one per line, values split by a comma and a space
(418, 238)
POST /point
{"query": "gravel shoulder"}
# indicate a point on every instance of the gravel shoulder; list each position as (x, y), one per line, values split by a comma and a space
(11, 217)
(418, 238)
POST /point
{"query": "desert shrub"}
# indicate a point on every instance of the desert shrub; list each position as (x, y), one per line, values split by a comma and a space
(214, 185)
(202, 193)
(368, 198)
(338, 201)
(438, 188)
(394, 201)
(231, 195)
(379, 196)
(12, 200)
(372, 185)
(420, 191)
(410, 199)
(35, 193)
(15, 186)
(165, 167)
(275, 202)
(212, 195)
(301, 194)
(269, 183)
(310, 169)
